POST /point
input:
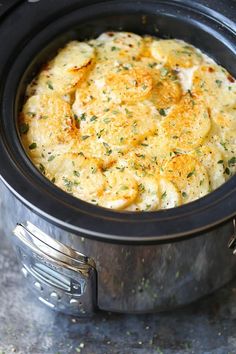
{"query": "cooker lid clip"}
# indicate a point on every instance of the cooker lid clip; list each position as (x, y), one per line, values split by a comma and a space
(232, 241)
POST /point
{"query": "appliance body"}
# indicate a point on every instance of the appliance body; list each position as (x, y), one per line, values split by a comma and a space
(78, 257)
(131, 278)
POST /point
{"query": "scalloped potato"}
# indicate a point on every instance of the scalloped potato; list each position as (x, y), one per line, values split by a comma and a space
(132, 123)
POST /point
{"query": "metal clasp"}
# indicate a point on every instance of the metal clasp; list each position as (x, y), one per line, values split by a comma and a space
(232, 241)
(61, 277)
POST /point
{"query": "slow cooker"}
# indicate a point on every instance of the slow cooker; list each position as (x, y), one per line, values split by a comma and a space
(78, 257)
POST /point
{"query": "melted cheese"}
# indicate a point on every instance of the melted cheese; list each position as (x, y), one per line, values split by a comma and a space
(132, 123)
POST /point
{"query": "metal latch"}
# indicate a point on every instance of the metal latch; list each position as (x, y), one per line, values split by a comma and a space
(61, 277)
(232, 241)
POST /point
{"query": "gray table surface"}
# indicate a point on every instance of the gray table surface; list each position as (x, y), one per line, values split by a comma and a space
(27, 326)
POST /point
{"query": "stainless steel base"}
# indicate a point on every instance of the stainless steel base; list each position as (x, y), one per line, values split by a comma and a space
(141, 278)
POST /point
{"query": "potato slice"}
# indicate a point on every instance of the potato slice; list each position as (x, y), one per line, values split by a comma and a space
(118, 45)
(109, 85)
(212, 160)
(77, 175)
(147, 157)
(65, 71)
(93, 97)
(175, 53)
(169, 195)
(216, 87)
(129, 85)
(51, 125)
(226, 143)
(121, 189)
(188, 123)
(226, 118)
(166, 89)
(148, 195)
(112, 134)
(188, 175)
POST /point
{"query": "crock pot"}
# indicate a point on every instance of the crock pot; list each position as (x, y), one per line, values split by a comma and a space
(78, 257)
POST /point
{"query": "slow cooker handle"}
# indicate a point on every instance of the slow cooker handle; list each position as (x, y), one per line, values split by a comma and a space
(62, 278)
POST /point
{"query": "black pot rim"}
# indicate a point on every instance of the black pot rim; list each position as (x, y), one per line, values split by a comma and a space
(82, 218)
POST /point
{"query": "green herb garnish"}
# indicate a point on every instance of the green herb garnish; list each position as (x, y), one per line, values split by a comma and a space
(232, 161)
(190, 174)
(52, 157)
(83, 116)
(32, 146)
(84, 137)
(24, 127)
(162, 112)
(219, 83)
(163, 195)
(76, 173)
(93, 118)
(50, 85)
(42, 168)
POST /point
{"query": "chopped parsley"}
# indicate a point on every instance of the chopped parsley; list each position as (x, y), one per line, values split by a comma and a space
(24, 127)
(120, 168)
(224, 145)
(83, 116)
(227, 171)
(190, 174)
(42, 168)
(163, 195)
(68, 184)
(107, 147)
(190, 93)
(123, 188)
(151, 65)
(93, 118)
(52, 157)
(84, 137)
(32, 114)
(49, 84)
(162, 112)
(219, 83)
(32, 146)
(232, 161)
(141, 188)
(106, 120)
(164, 71)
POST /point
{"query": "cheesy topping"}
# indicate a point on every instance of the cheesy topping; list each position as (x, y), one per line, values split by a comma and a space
(132, 123)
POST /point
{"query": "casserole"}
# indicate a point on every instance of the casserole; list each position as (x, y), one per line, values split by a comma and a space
(131, 123)
(121, 261)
